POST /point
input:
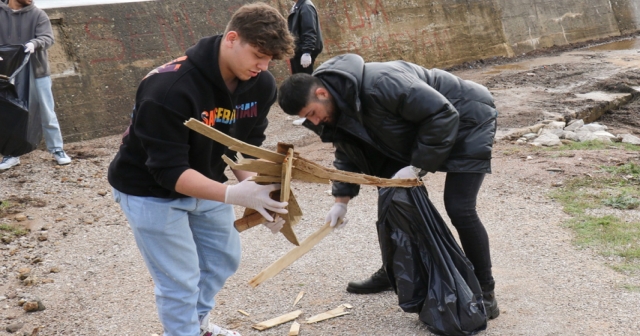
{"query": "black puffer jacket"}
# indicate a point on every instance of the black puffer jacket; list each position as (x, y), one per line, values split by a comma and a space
(304, 25)
(393, 114)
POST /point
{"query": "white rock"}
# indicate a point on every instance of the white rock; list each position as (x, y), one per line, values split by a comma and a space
(547, 139)
(569, 135)
(555, 125)
(530, 136)
(586, 136)
(631, 139)
(556, 131)
(594, 127)
(604, 136)
(574, 125)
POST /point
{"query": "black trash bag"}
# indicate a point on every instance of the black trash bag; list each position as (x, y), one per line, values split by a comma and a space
(20, 130)
(427, 269)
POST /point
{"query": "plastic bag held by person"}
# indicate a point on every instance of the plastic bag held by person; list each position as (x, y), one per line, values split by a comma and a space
(426, 267)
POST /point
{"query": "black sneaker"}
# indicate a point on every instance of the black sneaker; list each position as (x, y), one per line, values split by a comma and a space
(378, 282)
(489, 300)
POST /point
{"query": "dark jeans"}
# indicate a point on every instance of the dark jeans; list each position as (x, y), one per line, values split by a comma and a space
(297, 68)
(460, 195)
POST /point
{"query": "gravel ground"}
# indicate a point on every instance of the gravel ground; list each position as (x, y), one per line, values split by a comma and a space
(89, 274)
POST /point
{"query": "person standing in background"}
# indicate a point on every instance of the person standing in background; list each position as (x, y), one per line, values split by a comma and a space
(21, 22)
(304, 26)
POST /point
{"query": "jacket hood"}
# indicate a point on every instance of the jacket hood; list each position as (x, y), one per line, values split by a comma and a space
(342, 75)
(4, 4)
(204, 55)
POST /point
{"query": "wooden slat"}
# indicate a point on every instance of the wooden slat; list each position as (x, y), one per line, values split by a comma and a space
(228, 141)
(291, 256)
(250, 221)
(295, 213)
(264, 325)
(265, 179)
(285, 190)
(302, 176)
(341, 310)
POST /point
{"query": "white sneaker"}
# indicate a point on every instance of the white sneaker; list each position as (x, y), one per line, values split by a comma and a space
(8, 162)
(61, 157)
(210, 329)
(299, 122)
(214, 330)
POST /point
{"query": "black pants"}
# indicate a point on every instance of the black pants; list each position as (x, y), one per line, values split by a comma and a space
(296, 67)
(460, 195)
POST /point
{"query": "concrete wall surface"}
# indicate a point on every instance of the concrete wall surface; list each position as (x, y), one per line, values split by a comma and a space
(102, 52)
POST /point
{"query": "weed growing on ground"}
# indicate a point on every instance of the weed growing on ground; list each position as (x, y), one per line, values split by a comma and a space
(14, 230)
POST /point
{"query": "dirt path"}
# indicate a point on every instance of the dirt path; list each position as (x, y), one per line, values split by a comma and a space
(545, 285)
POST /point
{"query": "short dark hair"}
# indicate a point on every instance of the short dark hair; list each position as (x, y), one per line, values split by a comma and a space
(263, 27)
(297, 91)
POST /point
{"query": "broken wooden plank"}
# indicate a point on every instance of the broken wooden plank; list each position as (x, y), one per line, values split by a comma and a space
(300, 295)
(250, 221)
(256, 166)
(265, 179)
(291, 256)
(341, 310)
(295, 329)
(264, 325)
(285, 190)
(295, 213)
(349, 177)
(243, 312)
(228, 141)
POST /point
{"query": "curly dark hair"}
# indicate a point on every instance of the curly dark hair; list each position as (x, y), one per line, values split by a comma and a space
(263, 27)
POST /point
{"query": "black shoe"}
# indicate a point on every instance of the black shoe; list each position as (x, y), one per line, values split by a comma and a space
(489, 300)
(378, 282)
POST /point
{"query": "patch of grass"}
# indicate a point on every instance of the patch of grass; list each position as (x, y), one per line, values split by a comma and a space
(631, 287)
(14, 230)
(609, 235)
(593, 145)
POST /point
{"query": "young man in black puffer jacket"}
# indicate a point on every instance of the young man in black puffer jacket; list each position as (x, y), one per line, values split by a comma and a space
(400, 120)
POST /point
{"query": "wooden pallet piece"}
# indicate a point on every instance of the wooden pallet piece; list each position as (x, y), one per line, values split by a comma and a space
(295, 329)
(298, 298)
(285, 190)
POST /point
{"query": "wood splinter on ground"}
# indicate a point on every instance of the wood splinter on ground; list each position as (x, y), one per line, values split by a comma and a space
(295, 329)
(341, 310)
(264, 325)
(300, 295)
(243, 312)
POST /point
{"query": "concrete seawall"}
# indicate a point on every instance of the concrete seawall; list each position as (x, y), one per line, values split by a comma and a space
(103, 51)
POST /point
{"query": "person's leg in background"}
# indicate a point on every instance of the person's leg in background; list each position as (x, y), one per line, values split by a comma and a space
(460, 197)
(50, 125)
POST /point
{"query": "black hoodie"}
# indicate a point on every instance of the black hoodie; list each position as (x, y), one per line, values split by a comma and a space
(157, 147)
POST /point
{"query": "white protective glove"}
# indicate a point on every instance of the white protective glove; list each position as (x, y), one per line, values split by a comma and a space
(276, 225)
(255, 196)
(29, 48)
(305, 60)
(337, 213)
(408, 172)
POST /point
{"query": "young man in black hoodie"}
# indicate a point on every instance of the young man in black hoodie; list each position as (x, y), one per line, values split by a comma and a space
(169, 180)
(397, 119)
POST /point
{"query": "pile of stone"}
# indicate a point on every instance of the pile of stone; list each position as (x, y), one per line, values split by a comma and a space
(555, 133)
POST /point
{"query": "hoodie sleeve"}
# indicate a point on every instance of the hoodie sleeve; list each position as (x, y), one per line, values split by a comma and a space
(44, 33)
(165, 141)
(436, 118)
